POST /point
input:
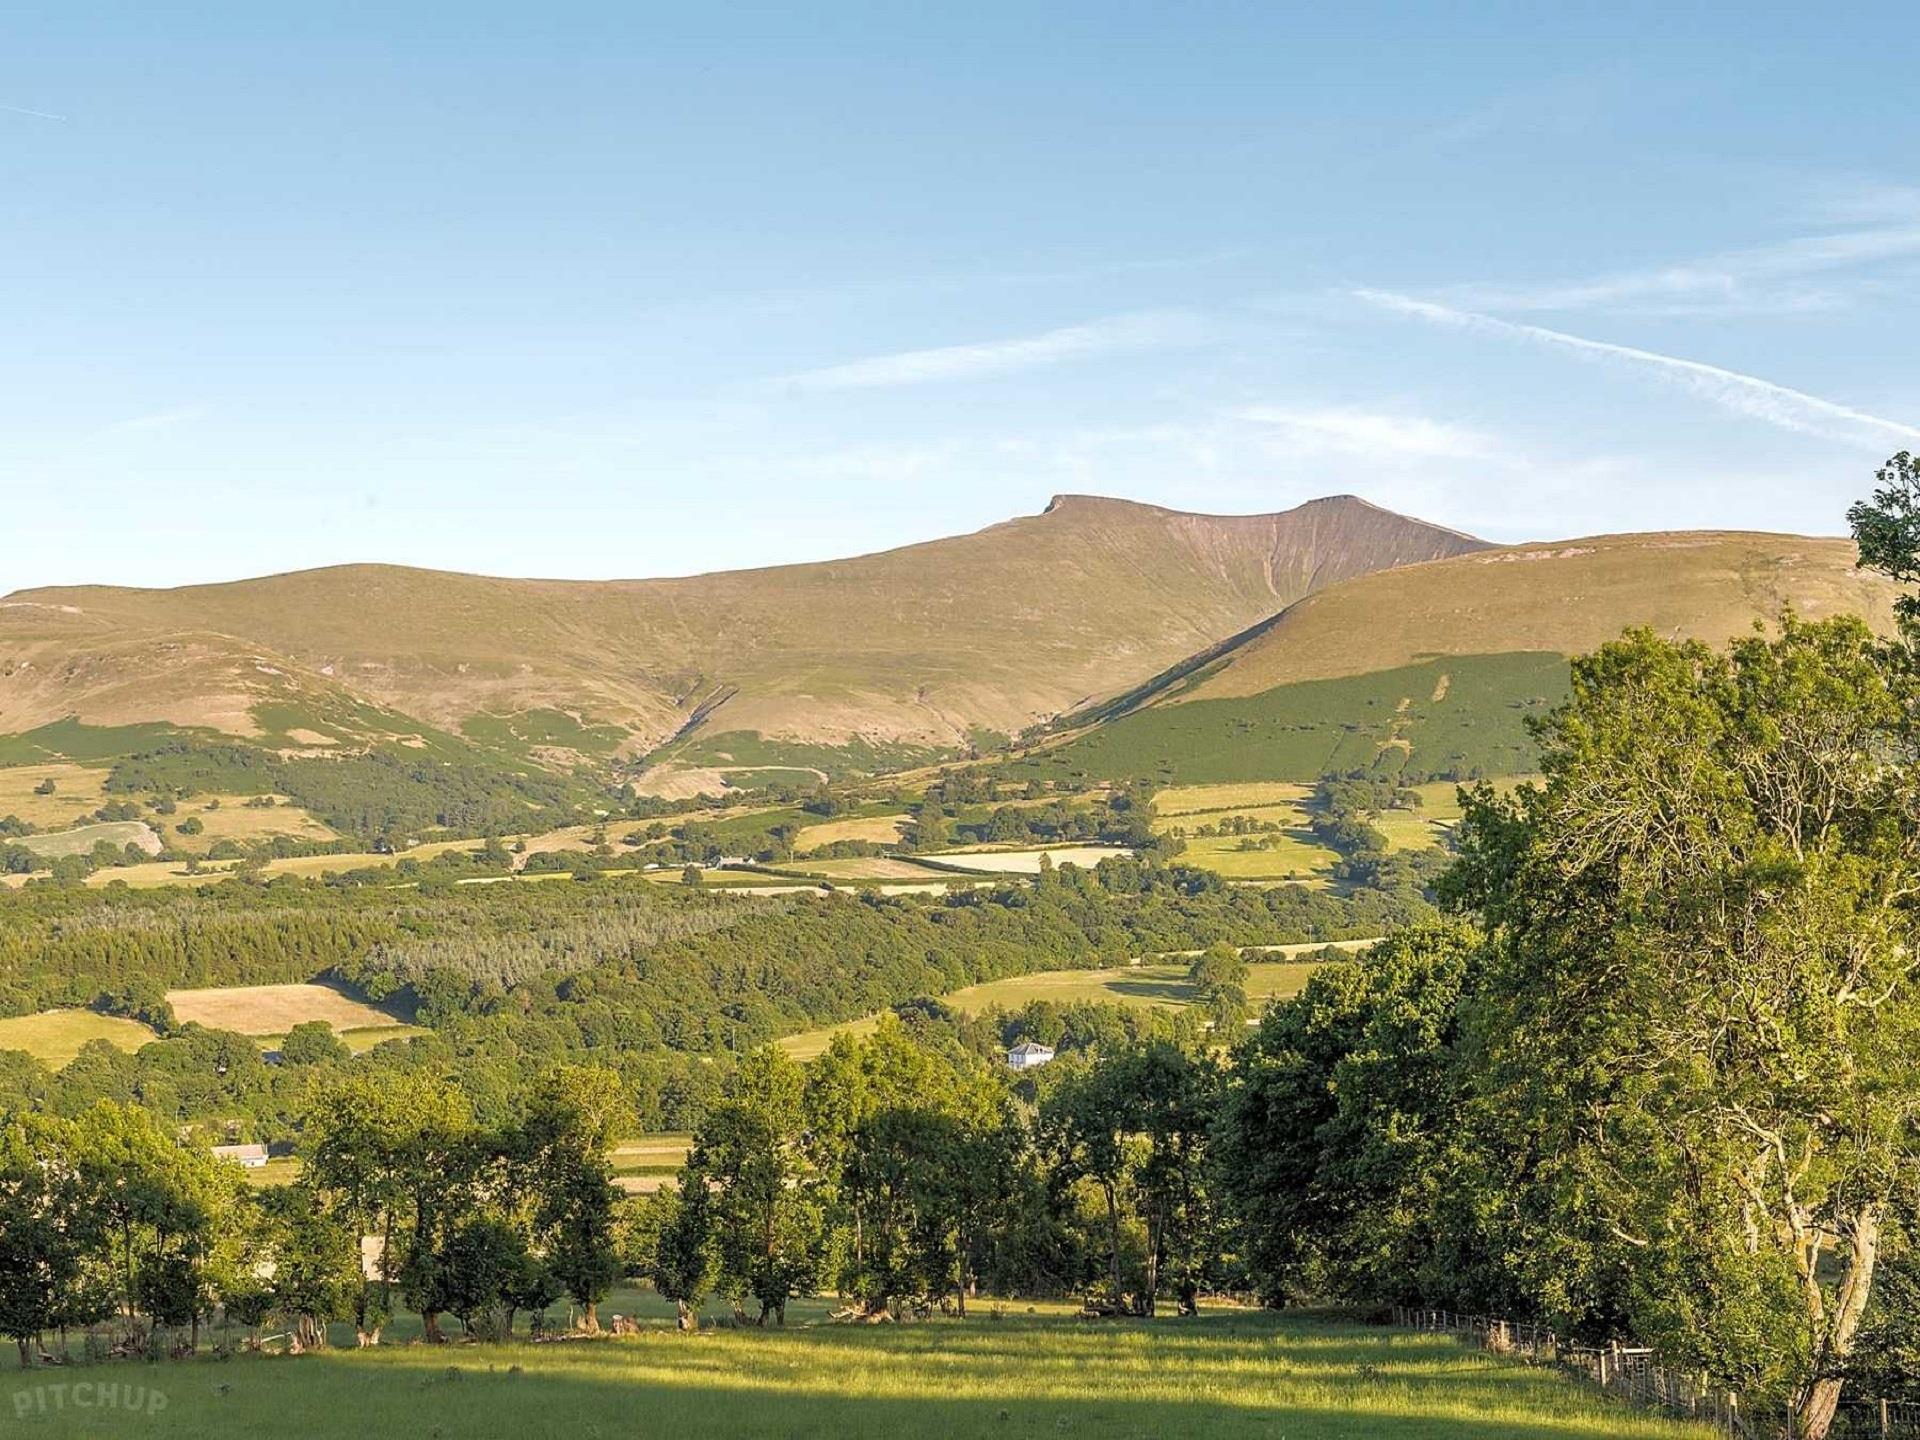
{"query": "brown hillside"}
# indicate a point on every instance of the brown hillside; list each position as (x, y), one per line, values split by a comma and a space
(998, 628)
(1568, 596)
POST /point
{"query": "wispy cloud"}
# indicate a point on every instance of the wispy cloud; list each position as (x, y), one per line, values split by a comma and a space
(1749, 395)
(1372, 434)
(1755, 280)
(1119, 334)
(37, 114)
(158, 420)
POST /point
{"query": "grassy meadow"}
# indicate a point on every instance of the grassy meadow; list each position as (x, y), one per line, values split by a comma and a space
(1226, 1373)
(275, 1009)
(877, 829)
(53, 1037)
(78, 790)
(1177, 801)
(1290, 853)
(1164, 985)
(1027, 862)
(82, 838)
(1285, 857)
(263, 1012)
(229, 817)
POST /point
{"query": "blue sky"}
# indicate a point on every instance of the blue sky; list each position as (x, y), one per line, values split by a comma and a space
(601, 290)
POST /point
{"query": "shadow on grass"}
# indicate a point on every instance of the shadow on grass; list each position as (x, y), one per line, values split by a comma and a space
(1174, 991)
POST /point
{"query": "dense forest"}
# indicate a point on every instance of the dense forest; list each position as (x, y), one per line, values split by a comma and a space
(654, 981)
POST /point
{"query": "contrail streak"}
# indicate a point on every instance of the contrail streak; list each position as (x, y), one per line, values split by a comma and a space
(1780, 405)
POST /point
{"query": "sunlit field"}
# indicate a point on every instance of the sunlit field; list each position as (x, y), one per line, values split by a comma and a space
(53, 1037)
(1158, 986)
(1227, 1374)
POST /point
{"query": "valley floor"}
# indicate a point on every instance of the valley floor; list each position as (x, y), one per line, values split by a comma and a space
(1225, 1374)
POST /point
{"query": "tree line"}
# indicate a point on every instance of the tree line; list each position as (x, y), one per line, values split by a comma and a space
(112, 1220)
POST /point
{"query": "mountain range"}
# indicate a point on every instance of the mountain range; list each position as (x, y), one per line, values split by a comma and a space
(1094, 616)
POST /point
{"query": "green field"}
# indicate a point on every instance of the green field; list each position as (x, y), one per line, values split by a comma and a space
(71, 740)
(1224, 1374)
(759, 777)
(54, 1037)
(657, 1154)
(1290, 855)
(1161, 986)
(1177, 801)
(1302, 731)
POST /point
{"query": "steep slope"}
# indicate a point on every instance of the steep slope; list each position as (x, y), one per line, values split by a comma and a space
(917, 647)
(1435, 667)
(1567, 597)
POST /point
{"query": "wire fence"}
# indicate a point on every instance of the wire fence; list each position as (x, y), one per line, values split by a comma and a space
(1632, 1373)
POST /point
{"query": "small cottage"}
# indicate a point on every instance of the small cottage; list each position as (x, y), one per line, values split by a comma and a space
(1028, 1055)
(251, 1157)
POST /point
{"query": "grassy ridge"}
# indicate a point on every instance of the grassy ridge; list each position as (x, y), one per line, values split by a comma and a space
(1567, 597)
(1460, 713)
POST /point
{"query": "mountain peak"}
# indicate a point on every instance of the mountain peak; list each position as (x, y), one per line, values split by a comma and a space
(916, 647)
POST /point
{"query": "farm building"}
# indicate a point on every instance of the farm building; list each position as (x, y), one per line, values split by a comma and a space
(252, 1157)
(1028, 1055)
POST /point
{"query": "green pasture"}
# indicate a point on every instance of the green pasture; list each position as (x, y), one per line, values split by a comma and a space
(1228, 1373)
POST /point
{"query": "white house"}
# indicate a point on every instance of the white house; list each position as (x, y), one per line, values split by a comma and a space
(251, 1157)
(1028, 1055)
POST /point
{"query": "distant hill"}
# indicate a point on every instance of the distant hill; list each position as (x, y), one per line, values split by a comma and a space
(858, 663)
(1436, 665)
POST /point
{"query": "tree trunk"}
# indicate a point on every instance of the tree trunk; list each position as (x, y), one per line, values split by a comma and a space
(386, 1267)
(685, 1317)
(965, 1248)
(430, 1327)
(26, 1353)
(1154, 1228)
(593, 1317)
(1813, 1418)
(1113, 1238)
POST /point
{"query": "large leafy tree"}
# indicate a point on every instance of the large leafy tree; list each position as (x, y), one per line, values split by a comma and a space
(669, 1241)
(1340, 1136)
(561, 1148)
(765, 1210)
(1702, 1001)
(1136, 1124)
(157, 1209)
(44, 1229)
(309, 1262)
(380, 1150)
